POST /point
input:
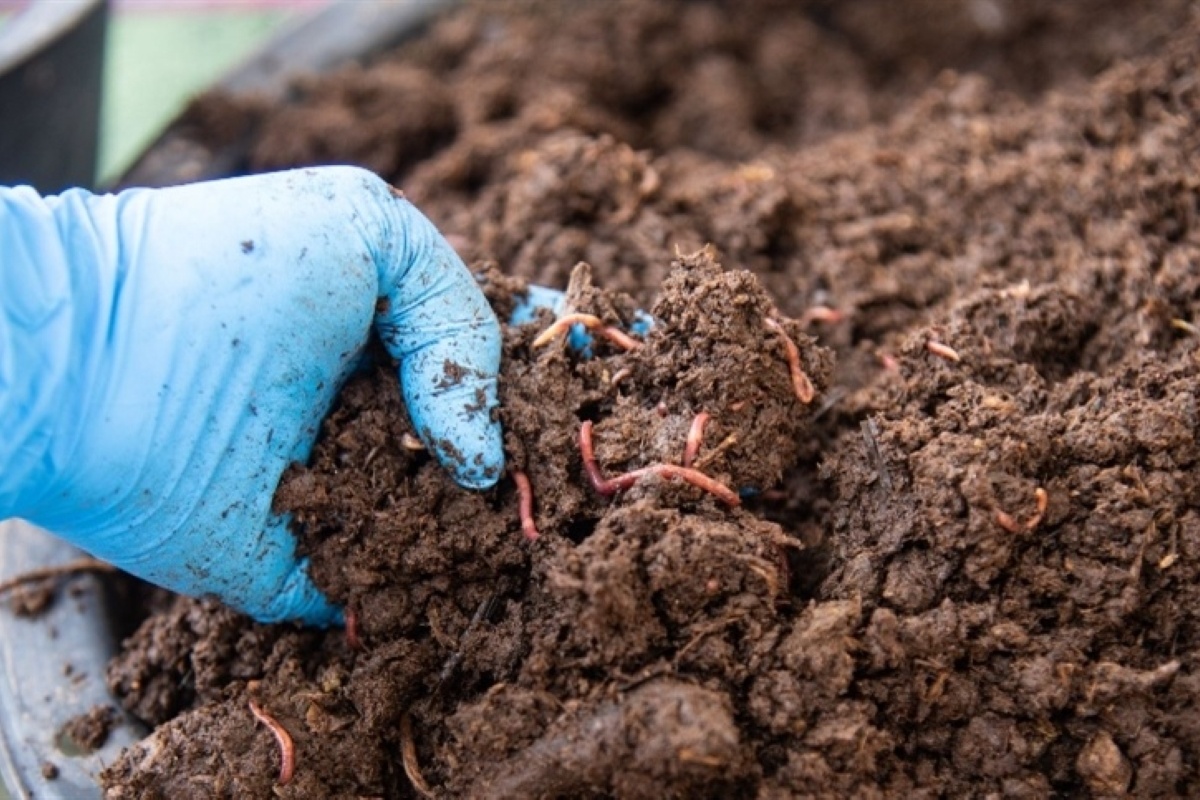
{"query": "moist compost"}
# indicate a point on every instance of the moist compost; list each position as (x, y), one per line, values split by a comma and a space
(967, 566)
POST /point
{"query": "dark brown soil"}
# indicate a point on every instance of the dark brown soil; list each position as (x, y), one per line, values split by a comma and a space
(967, 565)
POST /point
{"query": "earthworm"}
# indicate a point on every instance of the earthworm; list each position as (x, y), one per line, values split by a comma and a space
(525, 492)
(287, 750)
(1006, 520)
(695, 438)
(592, 323)
(352, 638)
(825, 314)
(801, 384)
(619, 483)
(942, 350)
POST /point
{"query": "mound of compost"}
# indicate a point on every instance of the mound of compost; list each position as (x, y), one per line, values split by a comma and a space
(962, 567)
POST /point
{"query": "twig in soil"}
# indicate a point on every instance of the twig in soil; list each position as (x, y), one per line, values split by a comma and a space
(766, 570)
(871, 437)
(716, 452)
(287, 750)
(593, 323)
(619, 483)
(695, 438)
(801, 384)
(408, 753)
(1006, 520)
(484, 611)
(70, 569)
(525, 492)
(942, 350)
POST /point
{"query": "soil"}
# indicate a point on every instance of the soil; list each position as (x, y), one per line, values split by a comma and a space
(89, 731)
(968, 567)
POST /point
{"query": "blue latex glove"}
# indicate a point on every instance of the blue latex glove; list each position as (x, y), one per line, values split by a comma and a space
(165, 354)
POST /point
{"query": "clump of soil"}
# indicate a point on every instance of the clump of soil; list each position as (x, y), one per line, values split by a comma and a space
(967, 567)
(89, 731)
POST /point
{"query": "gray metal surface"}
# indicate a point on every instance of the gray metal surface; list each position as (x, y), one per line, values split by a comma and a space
(52, 669)
(51, 67)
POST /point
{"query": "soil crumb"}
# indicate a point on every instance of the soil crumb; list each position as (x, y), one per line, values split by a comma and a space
(89, 731)
(962, 567)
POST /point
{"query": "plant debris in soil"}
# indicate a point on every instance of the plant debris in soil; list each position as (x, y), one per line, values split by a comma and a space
(966, 565)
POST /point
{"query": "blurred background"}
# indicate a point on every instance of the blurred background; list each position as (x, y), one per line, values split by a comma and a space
(158, 53)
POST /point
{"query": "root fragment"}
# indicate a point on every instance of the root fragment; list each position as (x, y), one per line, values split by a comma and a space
(619, 483)
(287, 750)
(695, 438)
(408, 753)
(593, 323)
(525, 492)
(801, 384)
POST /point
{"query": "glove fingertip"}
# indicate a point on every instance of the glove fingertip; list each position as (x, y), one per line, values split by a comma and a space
(458, 427)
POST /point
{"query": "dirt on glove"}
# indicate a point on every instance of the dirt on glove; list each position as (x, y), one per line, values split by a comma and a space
(968, 565)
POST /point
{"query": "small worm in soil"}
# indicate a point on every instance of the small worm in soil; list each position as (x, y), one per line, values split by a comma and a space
(592, 323)
(352, 638)
(1006, 520)
(695, 438)
(830, 316)
(619, 483)
(620, 375)
(411, 443)
(408, 752)
(287, 750)
(942, 350)
(525, 492)
(801, 384)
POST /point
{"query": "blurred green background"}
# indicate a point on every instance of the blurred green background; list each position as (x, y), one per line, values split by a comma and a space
(162, 52)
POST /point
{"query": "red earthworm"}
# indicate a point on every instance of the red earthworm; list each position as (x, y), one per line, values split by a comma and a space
(695, 438)
(619, 483)
(525, 492)
(287, 750)
(801, 384)
(593, 323)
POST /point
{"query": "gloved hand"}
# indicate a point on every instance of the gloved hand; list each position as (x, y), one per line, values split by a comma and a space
(165, 354)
